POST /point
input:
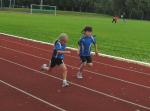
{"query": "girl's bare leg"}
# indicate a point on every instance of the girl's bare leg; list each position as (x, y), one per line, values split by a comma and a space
(64, 70)
(79, 74)
(90, 64)
(82, 67)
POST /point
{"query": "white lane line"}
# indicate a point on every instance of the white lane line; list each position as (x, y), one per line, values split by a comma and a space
(31, 95)
(104, 55)
(78, 85)
(118, 67)
(73, 67)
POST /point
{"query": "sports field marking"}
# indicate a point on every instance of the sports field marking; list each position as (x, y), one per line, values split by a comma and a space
(73, 67)
(31, 95)
(81, 86)
(144, 73)
(104, 55)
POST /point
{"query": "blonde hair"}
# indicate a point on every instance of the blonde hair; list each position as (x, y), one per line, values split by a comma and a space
(62, 36)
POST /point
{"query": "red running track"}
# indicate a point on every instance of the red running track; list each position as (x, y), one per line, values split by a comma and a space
(103, 60)
(103, 88)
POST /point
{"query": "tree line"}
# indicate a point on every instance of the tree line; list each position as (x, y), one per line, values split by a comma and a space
(136, 9)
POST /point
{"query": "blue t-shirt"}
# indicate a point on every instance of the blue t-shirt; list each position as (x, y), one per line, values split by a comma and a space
(58, 46)
(85, 45)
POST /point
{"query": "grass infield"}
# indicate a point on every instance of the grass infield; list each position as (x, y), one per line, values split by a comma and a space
(129, 40)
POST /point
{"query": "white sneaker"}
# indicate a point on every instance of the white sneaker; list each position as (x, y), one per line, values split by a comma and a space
(79, 75)
(65, 83)
(44, 67)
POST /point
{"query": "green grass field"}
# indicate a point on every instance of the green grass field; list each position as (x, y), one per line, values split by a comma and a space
(129, 40)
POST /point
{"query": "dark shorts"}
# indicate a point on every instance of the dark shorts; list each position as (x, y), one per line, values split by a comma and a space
(56, 61)
(87, 59)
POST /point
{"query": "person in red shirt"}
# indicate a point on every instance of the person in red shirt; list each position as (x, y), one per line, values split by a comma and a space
(115, 19)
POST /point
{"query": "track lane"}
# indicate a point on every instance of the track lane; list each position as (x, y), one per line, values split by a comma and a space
(111, 87)
(104, 60)
(13, 100)
(72, 98)
(76, 57)
(102, 69)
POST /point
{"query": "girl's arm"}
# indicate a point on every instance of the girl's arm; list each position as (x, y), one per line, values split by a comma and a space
(63, 52)
(96, 50)
(78, 50)
(95, 45)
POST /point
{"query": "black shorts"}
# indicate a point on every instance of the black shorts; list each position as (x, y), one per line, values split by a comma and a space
(56, 61)
(87, 59)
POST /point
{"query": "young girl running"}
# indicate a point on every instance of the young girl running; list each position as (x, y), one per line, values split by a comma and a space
(85, 49)
(58, 56)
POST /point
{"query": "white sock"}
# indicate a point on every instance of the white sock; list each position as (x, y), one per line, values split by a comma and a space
(64, 80)
(80, 73)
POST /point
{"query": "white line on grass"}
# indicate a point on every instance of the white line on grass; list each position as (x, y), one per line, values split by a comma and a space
(73, 67)
(104, 55)
(144, 73)
(31, 95)
(81, 86)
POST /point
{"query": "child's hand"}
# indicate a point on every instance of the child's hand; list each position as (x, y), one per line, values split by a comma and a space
(68, 52)
(78, 52)
(96, 53)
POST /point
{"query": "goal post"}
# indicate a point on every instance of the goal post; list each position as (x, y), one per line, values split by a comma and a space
(45, 9)
(1, 3)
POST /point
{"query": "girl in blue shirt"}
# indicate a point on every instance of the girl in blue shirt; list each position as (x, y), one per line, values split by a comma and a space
(84, 51)
(58, 56)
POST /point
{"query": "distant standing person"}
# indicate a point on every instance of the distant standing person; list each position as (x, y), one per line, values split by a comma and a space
(115, 18)
(123, 17)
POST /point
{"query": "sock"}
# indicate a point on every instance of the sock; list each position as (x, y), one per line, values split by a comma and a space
(64, 80)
